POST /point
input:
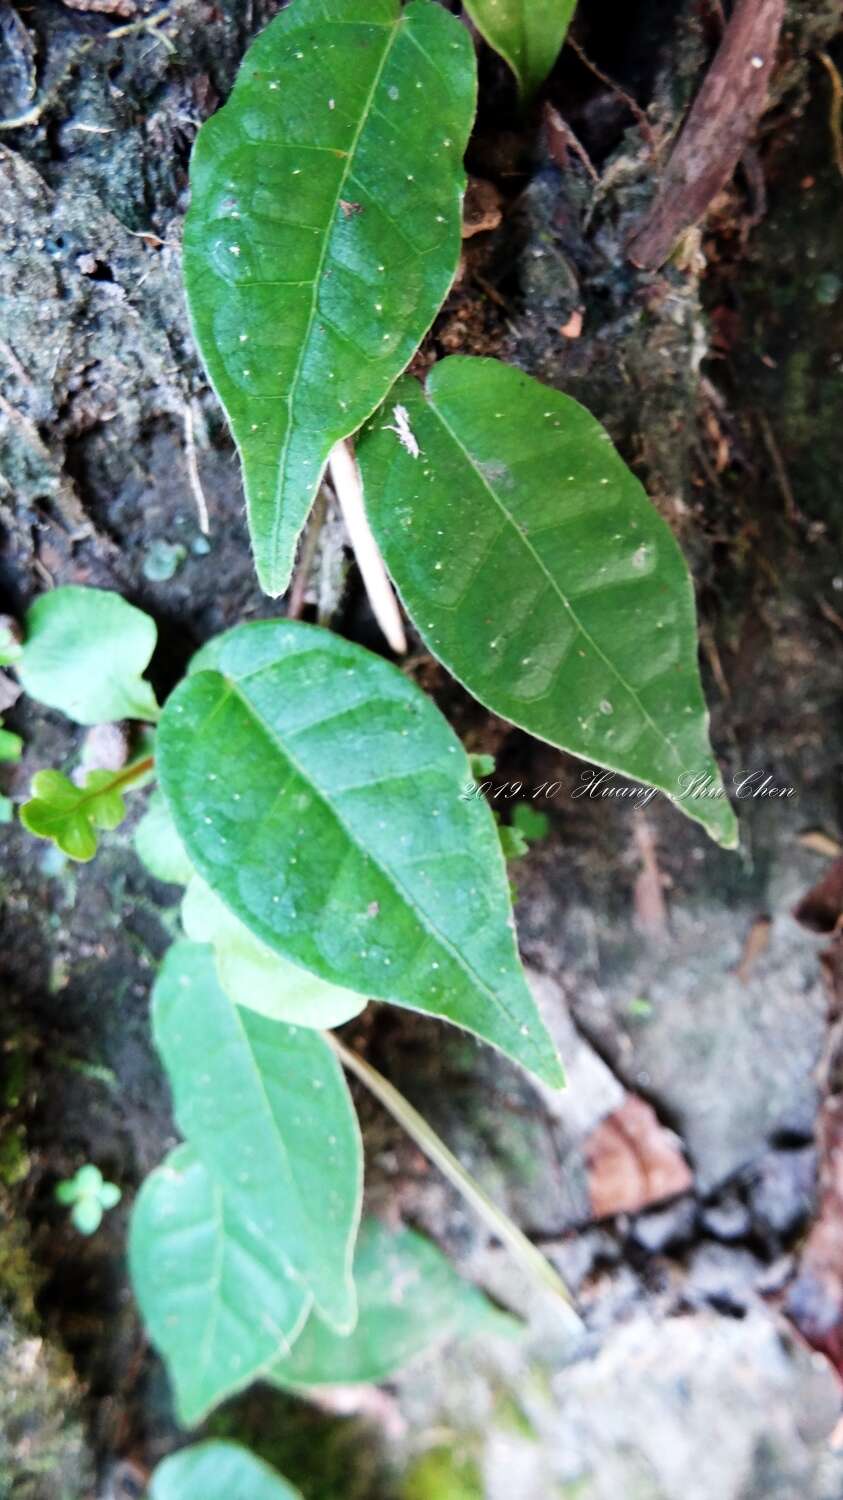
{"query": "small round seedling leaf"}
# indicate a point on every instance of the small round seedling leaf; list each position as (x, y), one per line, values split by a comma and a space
(87, 1215)
(84, 652)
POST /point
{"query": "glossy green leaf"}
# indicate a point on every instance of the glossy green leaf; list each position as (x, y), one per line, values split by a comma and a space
(69, 814)
(323, 235)
(84, 653)
(218, 1470)
(252, 975)
(267, 1109)
(159, 847)
(215, 1295)
(537, 570)
(410, 1298)
(318, 792)
(527, 33)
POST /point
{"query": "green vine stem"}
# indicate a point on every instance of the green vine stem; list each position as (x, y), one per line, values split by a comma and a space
(523, 1251)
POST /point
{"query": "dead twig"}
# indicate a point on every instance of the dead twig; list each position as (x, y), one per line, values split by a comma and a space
(835, 114)
(32, 115)
(716, 132)
(632, 104)
(830, 614)
(562, 139)
(146, 23)
(794, 514)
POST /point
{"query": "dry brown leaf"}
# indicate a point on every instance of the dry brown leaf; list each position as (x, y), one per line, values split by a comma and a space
(633, 1161)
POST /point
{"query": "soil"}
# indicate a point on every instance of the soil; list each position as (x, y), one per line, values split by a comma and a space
(674, 973)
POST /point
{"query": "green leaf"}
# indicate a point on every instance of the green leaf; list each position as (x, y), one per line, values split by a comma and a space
(252, 975)
(531, 824)
(268, 1111)
(218, 1470)
(553, 590)
(159, 847)
(527, 33)
(11, 744)
(318, 792)
(410, 1297)
(10, 647)
(84, 653)
(70, 815)
(215, 1295)
(89, 1196)
(481, 765)
(513, 842)
(323, 235)
(87, 1215)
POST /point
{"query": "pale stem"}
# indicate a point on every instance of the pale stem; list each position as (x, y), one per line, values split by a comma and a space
(345, 476)
(529, 1258)
(193, 471)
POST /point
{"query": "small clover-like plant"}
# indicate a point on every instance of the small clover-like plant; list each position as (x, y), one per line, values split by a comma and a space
(88, 1196)
(70, 815)
(311, 800)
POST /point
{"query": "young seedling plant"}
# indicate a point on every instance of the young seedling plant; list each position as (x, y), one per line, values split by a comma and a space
(313, 803)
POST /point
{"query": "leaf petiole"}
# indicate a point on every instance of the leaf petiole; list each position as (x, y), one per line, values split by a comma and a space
(129, 774)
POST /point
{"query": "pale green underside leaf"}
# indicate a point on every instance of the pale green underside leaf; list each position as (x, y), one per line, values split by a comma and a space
(215, 1295)
(318, 792)
(158, 846)
(84, 652)
(218, 1470)
(267, 1109)
(410, 1298)
(535, 567)
(253, 975)
(323, 234)
(527, 33)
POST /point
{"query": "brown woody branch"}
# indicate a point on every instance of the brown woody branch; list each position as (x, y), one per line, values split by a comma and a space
(715, 134)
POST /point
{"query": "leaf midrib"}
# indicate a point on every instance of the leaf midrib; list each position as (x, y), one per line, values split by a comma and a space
(542, 566)
(317, 279)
